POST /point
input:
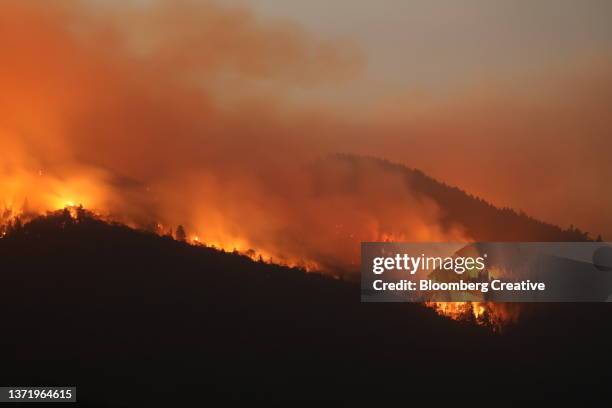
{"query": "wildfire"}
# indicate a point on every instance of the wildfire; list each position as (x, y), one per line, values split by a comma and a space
(493, 315)
(241, 247)
(75, 193)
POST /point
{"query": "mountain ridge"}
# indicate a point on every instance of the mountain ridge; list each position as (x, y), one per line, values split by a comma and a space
(483, 221)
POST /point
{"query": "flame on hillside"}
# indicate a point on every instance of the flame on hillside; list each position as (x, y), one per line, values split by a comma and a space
(11, 219)
(493, 315)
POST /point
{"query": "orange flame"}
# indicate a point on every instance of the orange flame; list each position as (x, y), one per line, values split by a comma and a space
(497, 316)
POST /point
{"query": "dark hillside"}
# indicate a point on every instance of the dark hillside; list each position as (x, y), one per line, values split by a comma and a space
(134, 319)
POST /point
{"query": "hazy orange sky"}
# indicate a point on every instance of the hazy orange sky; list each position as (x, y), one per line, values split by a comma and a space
(522, 90)
(441, 46)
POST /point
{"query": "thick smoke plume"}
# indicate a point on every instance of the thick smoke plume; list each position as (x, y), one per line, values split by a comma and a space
(147, 114)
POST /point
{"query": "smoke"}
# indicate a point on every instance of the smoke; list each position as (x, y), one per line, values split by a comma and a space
(184, 112)
(538, 142)
(127, 111)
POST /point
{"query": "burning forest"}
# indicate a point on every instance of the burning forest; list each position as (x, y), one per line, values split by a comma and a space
(138, 117)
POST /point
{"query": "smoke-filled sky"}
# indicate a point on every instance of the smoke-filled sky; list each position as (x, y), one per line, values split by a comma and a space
(520, 88)
(210, 114)
(434, 44)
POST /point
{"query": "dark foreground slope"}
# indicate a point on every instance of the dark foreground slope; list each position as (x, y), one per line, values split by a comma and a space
(133, 319)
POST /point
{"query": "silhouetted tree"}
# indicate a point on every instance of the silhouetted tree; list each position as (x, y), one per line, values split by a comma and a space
(16, 225)
(180, 233)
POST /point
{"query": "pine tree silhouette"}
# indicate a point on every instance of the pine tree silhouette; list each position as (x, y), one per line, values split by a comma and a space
(180, 233)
